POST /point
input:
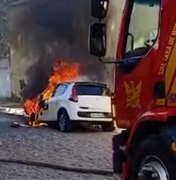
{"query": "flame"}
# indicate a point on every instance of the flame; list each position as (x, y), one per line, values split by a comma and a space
(29, 105)
(61, 72)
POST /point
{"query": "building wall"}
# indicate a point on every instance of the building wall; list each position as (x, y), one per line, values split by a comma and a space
(20, 52)
(18, 70)
(9, 66)
(5, 81)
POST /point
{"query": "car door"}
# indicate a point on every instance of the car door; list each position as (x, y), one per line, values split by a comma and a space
(54, 102)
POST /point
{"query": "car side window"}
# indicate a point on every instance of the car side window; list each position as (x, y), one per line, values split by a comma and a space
(60, 90)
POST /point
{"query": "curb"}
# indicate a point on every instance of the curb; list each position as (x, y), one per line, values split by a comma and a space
(13, 111)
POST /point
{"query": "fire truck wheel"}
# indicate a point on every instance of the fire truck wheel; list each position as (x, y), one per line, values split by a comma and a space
(152, 161)
(108, 126)
(64, 121)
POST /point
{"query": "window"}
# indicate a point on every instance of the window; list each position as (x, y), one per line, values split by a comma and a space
(143, 27)
(92, 90)
(60, 90)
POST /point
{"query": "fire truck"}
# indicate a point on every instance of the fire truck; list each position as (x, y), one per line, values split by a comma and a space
(144, 96)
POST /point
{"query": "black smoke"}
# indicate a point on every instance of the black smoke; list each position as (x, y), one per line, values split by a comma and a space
(47, 31)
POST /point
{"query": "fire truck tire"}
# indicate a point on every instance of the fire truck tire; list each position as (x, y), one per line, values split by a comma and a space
(152, 160)
(108, 126)
(64, 121)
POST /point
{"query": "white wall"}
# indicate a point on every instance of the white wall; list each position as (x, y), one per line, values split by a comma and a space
(5, 84)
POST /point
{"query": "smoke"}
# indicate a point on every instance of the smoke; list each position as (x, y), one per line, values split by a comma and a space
(42, 33)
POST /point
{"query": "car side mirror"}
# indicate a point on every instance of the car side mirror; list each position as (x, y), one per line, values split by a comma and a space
(99, 8)
(97, 39)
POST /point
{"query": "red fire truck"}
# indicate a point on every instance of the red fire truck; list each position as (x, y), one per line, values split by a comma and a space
(145, 86)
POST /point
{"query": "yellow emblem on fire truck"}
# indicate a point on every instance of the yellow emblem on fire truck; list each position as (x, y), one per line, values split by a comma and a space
(133, 94)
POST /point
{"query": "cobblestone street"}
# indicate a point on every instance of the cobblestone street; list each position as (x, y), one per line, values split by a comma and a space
(83, 149)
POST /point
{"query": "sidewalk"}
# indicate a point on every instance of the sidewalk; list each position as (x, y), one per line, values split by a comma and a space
(12, 108)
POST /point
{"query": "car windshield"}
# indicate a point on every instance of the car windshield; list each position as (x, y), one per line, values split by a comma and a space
(143, 34)
(93, 90)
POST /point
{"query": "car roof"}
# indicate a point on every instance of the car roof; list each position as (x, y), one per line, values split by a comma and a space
(85, 83)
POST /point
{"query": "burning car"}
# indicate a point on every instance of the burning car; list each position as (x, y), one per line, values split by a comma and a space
(68, 101)
(78, 102)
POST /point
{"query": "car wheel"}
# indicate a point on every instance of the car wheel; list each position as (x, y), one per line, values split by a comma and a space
(152, 161)
(108, 126)
(64, 121)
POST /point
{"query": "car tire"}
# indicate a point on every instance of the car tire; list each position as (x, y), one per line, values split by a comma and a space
(64, 122)
(108, 126)
(152, 160)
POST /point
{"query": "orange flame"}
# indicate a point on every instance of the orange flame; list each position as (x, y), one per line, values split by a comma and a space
(62, 71)
(29, 105)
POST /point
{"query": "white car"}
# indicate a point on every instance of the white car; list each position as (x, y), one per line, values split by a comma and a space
(77, 102)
